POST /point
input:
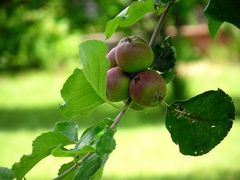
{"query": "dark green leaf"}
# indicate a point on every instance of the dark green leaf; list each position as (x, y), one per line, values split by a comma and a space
(129, 16)
(85, 89)
(64, 168)
(98, 174)
(200, 123)
(164, 56)
(6, 174)
(70, 129)
(168, 76)
(224, 11)
(90, 167)
(213, 26)
(41, 148)
(160, 6)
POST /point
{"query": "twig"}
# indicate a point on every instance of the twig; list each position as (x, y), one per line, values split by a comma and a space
(120, 114)
(65, 173)
(160, 23)
(165, 104)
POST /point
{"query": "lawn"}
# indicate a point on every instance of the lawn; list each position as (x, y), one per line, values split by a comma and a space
(29, 106)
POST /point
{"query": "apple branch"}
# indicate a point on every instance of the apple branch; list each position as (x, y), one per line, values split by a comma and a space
(129, 101)
(160, 23)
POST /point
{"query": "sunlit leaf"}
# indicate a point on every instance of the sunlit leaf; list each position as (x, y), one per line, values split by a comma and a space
(41, 148)
(129, 16)
(85, 89)
(70, 129)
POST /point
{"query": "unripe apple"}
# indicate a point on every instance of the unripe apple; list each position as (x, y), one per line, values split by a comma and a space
(147, 88)
(133, 54)
(117, 85)
(111, 57)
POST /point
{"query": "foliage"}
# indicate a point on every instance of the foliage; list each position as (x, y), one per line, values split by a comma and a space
(97, 140)
(29, 34)
(89, 81)
(229, 13)
(164, 56)
(45, 34)
(200, 123)
(197, 125)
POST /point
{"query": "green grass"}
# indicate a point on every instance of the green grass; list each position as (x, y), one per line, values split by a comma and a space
(29, 106)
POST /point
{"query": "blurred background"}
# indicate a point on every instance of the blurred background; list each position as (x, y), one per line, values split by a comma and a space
(39, 50)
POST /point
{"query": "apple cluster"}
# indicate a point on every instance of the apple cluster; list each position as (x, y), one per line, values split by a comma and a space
(129, 74)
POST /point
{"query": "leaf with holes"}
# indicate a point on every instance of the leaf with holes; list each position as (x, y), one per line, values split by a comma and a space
(197, 125)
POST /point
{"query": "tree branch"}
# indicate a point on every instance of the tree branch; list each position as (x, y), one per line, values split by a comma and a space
(129, 101)
(160, 23)
(75, 166)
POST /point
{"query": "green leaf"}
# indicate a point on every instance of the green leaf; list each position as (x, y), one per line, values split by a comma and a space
(85, 89)
(224, 11)
(6, 174)
(93, 57)
(90, 167)
(90, 136)
(70, 129)
(98, 174)
(98, 141)
(112, 26)
(64, 168)
(164, 56)
(129, 16)
(106, 143)
(213, 26)
(79, 96)
(41, 148)
(200, 123)
(60, 151)
(99, 136)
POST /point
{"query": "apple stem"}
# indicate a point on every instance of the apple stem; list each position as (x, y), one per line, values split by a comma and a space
(160, 23)
(165, 104)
